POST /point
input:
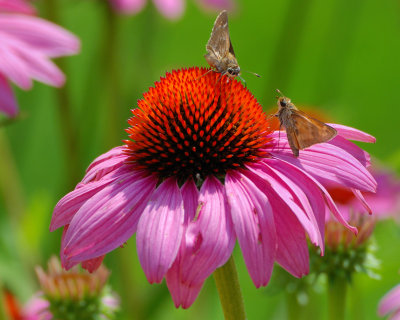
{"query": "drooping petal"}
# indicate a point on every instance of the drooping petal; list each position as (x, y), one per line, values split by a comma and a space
(69, 205)
(254, 226)
(290, 222)
(306, 191)
(353, 134)
(292, 252)
(328, 200)
(326, 161)
(362, 200)
(160, 231)
(104, 164)
(268, 180)
(172, 9)
(8, 103)
(210, 238)
(390, 302)
(208, 244)
(184, 294)
(40, 35)
(362, 156)
(109, 218)
(12, 66)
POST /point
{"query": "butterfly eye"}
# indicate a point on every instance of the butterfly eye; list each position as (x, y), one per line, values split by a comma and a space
(230, 70)
(283, 103)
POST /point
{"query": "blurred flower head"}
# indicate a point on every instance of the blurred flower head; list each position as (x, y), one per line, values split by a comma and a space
(71, 295)
(171, 9)
(202, 168)
(26, 47)
(390, 304)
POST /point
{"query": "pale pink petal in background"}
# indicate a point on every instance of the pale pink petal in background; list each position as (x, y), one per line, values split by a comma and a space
(171, 9)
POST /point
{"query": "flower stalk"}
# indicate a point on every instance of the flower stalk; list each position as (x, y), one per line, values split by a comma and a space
(337, 289)
(227, 282)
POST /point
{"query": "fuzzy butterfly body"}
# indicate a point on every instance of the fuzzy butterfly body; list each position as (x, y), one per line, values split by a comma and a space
(220, 54)
(302, 130)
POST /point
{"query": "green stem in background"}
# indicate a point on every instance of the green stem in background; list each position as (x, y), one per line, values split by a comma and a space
(294, 309)
(67, 124)
(230, 294)
(286, 50)
(10, 182)
(111, 78)
(337, 289)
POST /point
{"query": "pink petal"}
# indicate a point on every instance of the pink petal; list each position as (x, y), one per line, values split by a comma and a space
(8, 103)
(106, 163)
(184, 294)
(208, 244)
(160, 231)
(128, 6)
(292, 252)
(40, 35)
(12, 66)
(108, 219)
(92, 265)
(210, 238)
(171, 9)
(329, 202)
(306, 191)
(328, 162)
(254, 226)
(362, 200)
(362, 156)
(16, 6)
(390, 302)
(69, 205)
(267, 181)
(352, 134)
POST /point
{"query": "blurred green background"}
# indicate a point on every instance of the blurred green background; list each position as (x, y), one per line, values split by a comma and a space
(341, 56)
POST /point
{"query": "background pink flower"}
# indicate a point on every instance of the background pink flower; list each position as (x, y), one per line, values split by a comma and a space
(390, 304)
(26, 45)
(171, 9)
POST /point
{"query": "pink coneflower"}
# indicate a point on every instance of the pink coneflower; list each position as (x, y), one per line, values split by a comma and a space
(390, 304)
(26, 45)
(71, 295)
(171, 9)
(202, 169)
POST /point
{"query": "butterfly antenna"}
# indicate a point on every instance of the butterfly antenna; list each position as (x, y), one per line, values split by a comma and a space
(280, 93)
(256, 74)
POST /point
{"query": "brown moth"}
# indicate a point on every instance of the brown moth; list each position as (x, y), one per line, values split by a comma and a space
(302, 130)
(220, 55)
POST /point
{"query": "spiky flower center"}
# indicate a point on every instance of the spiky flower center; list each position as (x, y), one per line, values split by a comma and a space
(195, 124)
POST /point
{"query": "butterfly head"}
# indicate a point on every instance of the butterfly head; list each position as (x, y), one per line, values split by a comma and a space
(233, 70)
(283, 102)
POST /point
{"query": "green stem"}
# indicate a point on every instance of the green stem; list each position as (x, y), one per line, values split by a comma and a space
(295, 311)
(67, 124)
(230, 294)
(337, 289)
(10, 182)
(111, 78)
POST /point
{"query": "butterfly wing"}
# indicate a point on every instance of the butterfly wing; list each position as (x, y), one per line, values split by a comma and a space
(219, 43)
(292, 139)
(309, 130)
